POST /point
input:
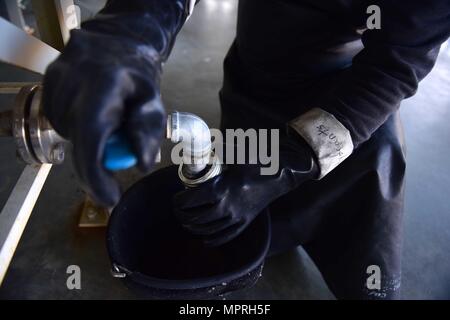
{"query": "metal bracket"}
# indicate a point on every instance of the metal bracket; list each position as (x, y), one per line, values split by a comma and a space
(117, 272)
(93, 215)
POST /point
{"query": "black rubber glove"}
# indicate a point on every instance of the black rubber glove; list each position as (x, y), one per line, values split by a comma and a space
(222, 208)
(108, 78)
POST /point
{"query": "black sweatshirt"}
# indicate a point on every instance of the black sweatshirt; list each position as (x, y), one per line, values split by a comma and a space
(284, 38)
(289, 42)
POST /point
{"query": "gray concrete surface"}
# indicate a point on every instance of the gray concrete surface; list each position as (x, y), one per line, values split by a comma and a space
(52, 240)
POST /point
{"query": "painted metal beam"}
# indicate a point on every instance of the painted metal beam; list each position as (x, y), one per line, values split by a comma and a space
(22, 50)
(17, 210)
(55, 19)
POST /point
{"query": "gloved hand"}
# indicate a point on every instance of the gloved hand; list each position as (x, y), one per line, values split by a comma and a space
(108, 78)
(222, 208)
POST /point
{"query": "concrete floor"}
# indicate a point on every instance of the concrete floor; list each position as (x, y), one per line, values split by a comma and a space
(52, 240)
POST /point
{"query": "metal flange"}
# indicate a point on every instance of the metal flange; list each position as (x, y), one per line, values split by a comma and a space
(20, 124)
(211, 171)
(37, 142)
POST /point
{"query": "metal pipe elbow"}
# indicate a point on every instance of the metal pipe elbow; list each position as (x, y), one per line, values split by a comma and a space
(195, 136)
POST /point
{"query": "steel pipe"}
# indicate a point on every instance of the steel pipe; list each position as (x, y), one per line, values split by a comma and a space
(14, 87)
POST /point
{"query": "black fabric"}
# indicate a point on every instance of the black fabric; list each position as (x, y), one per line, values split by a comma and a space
(288, 44)
(165, 261)
(349, 220)
(291, 56)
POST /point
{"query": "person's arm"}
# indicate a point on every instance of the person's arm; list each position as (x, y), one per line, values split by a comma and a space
(389, 68)
(108, 79)
(146, 19)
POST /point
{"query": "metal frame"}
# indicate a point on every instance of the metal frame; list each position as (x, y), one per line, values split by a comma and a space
(22, 50)
(51, 20)
(17, 211)
(25, 51)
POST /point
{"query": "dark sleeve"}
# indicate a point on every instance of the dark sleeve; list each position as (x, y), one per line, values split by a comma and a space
(389, 68)
(154, 22)
(154, 5)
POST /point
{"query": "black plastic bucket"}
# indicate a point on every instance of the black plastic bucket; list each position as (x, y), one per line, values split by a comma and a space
(161, 260)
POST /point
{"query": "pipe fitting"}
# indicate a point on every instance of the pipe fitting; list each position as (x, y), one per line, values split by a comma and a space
(199, 164)
(37, 142)
(195, 137)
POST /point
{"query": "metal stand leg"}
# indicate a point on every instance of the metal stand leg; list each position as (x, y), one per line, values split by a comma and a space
(17, 211)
